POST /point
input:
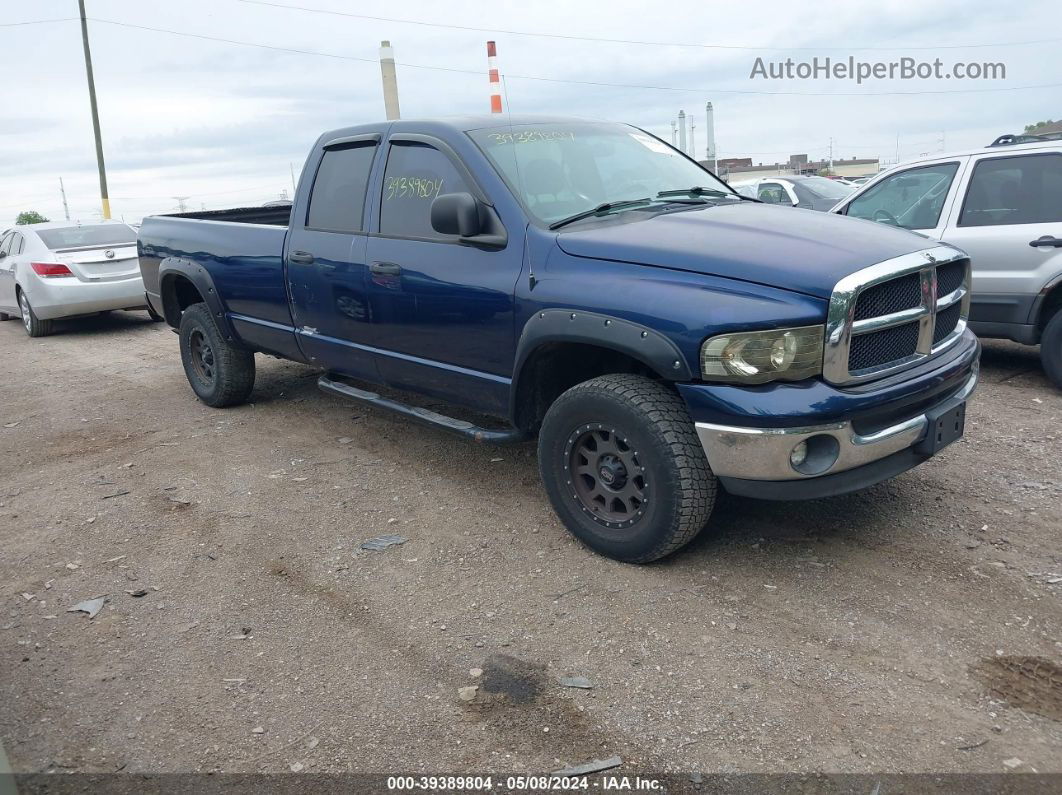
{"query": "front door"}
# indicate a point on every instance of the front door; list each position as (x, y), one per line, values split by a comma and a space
(325, 261)
(442, 311)
(1010, 223)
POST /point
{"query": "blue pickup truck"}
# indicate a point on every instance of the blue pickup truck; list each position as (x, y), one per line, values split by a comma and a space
(585, 282)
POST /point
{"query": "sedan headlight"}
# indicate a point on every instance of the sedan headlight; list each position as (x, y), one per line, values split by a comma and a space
(755, 357)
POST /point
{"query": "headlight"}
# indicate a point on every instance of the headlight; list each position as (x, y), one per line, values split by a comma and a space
(755, 357)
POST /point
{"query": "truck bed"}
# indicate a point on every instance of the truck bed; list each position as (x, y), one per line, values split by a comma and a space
(273, 216)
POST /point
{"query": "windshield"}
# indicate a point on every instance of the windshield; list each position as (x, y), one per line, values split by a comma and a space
(560, 170)
(83, 236)
(822, 188)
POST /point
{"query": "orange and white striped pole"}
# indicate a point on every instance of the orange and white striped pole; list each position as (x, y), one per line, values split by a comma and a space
(495, 82)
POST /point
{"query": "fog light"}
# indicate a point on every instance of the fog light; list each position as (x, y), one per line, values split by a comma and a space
(815, 455)
(799, 455)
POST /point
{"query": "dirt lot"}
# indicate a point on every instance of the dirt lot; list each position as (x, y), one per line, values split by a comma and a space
(912, 627)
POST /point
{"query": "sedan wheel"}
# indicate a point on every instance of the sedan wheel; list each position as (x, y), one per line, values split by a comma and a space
(35, 327)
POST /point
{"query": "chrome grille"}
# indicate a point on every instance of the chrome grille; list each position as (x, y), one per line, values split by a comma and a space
(895, 314)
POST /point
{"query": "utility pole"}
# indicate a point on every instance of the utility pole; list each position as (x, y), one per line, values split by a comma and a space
(831, 155)
(62, 190)
(104, 198)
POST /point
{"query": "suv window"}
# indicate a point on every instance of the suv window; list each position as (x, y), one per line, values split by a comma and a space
(337, 200)
(1014, 190)
(773, 193)
(416, 173)
(912, 199)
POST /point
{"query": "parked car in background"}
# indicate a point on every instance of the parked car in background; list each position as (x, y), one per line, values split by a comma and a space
(62, 269)
(808, 192)
(589, 284)
(1002, 205)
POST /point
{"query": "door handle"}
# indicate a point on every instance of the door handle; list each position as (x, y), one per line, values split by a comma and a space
(385, 268)
(301, 257)
(1046, 240)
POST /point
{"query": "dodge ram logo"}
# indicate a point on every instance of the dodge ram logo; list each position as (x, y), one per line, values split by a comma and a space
(108, 254)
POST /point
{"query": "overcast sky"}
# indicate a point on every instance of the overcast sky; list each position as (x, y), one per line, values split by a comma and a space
(223, 124)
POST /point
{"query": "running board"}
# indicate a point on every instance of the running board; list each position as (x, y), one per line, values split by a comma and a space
(424, 416)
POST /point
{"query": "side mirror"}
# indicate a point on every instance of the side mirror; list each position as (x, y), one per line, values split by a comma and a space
(457, 214)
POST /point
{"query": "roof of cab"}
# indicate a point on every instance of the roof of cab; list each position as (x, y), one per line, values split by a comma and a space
(458, 123)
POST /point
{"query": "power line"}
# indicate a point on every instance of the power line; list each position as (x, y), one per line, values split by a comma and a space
(640, 42)
(596, 83)
(36, 22)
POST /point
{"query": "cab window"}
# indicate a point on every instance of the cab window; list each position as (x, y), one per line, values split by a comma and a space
(1014, 190)
(338, 196)
(416, 174)
(912, 199)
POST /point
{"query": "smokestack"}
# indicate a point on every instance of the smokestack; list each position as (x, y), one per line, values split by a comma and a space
(390, 81)
(682, 130)
(709, 131)
(495, 82)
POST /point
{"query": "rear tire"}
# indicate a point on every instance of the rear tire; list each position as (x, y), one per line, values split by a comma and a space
(34, 326)
(624, 469)
(220, 373)
(1051, 349)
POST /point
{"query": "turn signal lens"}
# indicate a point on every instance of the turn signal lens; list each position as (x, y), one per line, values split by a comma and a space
(756, 357)
(50, 269)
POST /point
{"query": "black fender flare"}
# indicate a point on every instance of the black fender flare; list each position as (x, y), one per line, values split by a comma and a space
(172, 267)
(650, 347)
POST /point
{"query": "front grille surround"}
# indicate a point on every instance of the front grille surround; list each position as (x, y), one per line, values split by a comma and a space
(880, 304)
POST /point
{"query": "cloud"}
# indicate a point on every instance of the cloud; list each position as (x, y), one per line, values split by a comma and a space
(221, 122)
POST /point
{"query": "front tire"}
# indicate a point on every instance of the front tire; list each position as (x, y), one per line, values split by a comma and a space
(219, 373)
(34, 326)
(623, 468)
(1051, 349)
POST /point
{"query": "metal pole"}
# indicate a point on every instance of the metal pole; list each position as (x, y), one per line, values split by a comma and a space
(62, 190)
(104, 198)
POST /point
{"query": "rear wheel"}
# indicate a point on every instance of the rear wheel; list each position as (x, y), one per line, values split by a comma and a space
(220, 373)
(34, 326)
(624, 469)
(1051, 349)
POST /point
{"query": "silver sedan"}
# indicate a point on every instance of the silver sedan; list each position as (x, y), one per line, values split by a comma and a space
(56, 269)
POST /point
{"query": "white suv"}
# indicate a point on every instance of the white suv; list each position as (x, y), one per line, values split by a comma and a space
(1002, 205)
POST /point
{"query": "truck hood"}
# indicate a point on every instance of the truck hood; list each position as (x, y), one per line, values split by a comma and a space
(792, 249)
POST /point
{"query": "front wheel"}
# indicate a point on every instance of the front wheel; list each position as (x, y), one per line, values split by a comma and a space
(1051, 349)
(220, 373)
(623, 468)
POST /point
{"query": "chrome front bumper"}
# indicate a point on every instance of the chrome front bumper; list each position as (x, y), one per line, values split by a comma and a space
(764, 453)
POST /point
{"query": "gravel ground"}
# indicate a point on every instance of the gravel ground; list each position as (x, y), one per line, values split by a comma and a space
(913, 627)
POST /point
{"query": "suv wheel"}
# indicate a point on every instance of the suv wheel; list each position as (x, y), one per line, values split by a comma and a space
(1051, 349)
(624, 469)
(220, 373)
(34, 326)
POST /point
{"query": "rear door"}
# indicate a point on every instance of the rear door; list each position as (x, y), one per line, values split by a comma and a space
(325, 260)
(7, 273)
(1009, 221)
